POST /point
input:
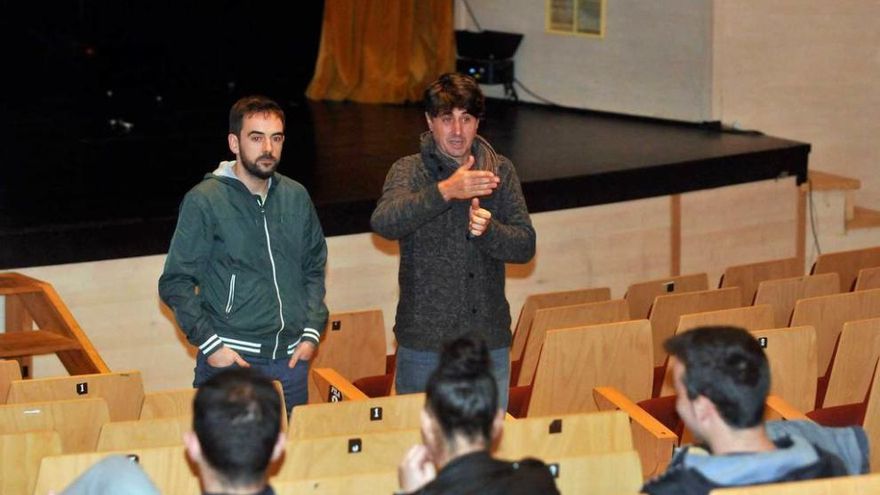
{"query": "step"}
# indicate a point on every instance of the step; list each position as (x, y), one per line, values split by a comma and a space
(863, 218)
(33, 342)
(824, 181)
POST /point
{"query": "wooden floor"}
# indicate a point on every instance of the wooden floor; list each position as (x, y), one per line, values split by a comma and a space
(102, 193)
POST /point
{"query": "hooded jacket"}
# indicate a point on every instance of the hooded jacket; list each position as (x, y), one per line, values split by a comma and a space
(452, 284)
(694, 471)
(246, 273)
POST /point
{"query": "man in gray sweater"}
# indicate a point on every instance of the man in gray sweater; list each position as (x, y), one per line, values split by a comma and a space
(458, 210)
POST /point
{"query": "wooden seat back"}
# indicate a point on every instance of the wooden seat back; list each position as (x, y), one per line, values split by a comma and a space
(21, 454)
(857, 353)
(346, 455)
(534, 302)
(123, 391)
(872, 422)
(330, 386)
(847, 264)
(614, 473)
(168, 403)
(565, 317)
(611, 354)
(399, 412)
(144, 433)
(167, 467)
(868, 278)
(782, 294)
(10, 371)
(827, 314)
(749, 317)
(565, 435)
(668, 309)
(748, 276)
(353, 344)
(78, 422)
(792, 356)
(640, 296)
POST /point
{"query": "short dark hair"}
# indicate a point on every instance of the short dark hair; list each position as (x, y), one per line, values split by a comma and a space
(727, 366)
(453, 90)
(461, 393)
(250, 105)
(237, 417)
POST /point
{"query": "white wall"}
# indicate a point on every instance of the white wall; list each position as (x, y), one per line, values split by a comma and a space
(655, 58)
(806, 70)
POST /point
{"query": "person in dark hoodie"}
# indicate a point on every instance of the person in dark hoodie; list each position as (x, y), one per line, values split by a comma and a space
(722, 378)
(458, 210)
(459, 423)
(245, 270)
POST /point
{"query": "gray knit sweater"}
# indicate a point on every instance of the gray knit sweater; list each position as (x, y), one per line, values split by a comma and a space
(451, 284)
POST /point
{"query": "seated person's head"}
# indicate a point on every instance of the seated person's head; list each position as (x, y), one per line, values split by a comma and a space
(236, 423)
(461, 412)
(721, 378)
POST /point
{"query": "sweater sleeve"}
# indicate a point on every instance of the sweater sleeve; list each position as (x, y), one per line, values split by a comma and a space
(184, 265)
(510, 236)
(405, 204)
(313, 267)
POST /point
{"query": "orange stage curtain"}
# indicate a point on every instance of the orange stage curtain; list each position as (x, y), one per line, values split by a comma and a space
(382, 51)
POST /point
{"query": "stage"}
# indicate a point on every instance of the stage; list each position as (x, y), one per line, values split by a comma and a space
(103, 191)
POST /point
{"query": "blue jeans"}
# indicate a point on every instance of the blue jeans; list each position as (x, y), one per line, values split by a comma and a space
(293, 381)
(414, 368)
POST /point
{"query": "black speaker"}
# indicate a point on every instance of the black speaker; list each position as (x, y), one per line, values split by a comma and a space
(487, 56)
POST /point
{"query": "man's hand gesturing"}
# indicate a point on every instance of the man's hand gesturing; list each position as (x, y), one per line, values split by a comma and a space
(466, 183)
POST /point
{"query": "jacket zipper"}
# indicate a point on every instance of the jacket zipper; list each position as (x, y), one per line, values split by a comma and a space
(274, 276)
(231, 298)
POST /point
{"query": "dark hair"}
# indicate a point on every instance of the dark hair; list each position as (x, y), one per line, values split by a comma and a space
(461, 393)
(453, 90)
(727, 366)
(250, 105)
(237, 417)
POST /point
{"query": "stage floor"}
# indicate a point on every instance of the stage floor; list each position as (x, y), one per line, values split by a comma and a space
(86, 190)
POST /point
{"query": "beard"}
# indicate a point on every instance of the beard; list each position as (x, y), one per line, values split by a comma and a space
(257, 170)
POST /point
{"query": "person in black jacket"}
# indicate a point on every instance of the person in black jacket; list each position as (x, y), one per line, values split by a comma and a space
(458, 211)
(460, 420)
(722, 378)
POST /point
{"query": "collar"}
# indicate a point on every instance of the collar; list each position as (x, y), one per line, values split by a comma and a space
(792, 452)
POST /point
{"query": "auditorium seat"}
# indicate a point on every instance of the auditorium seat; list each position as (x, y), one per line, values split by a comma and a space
(78, 422)
(640, 296)
(748, 276)
(378, 482)
(615, 473)
(168, 403)
(534, 302)
(349, 417)
(667, 310)
(749, 317)
(576, 360)
(9, 371)
(847, 264)
(858, 351)
(844, 485)
(331, 386)
(868, 278)
(143, 433)
(792, 355)
(563, 317)
(346, 455)
(353, 344)
(167, 467)
(21, 454)
(565, 435)
(123, 391)
(782, 294)
(827, 314)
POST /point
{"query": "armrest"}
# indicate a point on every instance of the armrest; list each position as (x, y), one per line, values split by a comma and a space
(333, 387)
(778, 408)
(653, 441)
